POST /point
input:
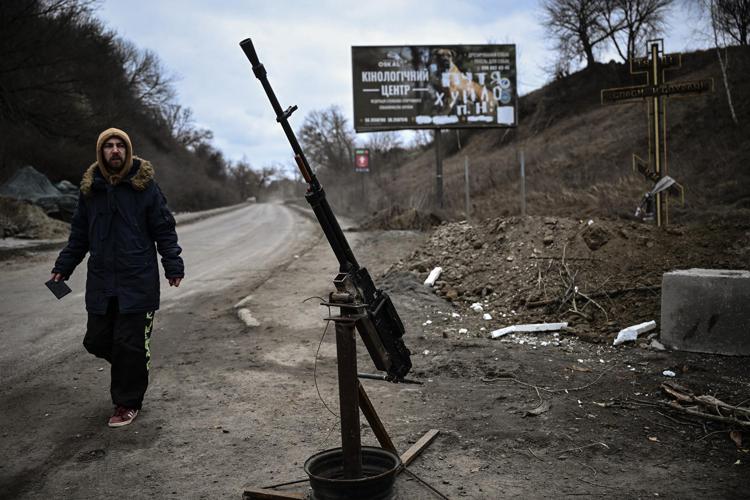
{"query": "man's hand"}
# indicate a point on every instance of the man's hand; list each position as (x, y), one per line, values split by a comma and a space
(174, 281)
(57, 277)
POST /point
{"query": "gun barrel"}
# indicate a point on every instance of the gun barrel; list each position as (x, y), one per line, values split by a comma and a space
(315, 196)
(281, 116)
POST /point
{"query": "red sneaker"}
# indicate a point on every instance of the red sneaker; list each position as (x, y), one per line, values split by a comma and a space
(122, 416)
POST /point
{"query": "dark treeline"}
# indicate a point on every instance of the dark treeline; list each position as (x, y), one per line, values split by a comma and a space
(64, 78)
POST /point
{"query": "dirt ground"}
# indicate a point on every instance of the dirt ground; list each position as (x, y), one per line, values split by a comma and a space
(230, 406)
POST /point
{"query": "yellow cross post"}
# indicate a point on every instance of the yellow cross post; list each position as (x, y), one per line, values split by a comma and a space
(657, 89)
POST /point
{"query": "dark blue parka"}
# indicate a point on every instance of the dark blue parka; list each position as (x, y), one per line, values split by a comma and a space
(121, 226)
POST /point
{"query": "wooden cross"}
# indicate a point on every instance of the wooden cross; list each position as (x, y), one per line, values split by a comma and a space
(655, 92)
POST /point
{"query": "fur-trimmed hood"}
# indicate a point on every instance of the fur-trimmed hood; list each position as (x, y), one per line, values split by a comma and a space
(142, 173)
(113, 177)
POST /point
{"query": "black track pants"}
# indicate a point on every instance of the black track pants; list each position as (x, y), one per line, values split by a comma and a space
(123, 340)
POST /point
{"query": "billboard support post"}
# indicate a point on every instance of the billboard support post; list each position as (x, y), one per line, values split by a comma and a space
(466, 182)
(523, 184)
(438, 170)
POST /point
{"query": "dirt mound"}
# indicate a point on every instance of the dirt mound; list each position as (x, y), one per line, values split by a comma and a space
(29, 184)
(397, 217)
(21, 219)
(600, 276)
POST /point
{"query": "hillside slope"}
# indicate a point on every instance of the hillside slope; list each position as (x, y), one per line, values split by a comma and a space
(578, 152)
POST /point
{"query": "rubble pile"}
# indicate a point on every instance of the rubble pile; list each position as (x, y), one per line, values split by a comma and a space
(31, 185)
(598, 276)
(397, 217)
(22, 219)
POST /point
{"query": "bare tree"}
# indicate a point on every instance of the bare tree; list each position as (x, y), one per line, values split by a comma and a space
(37, 63)
(709, 11)
(146, 77)
(245, 179)
(715, 15)
(179, 121)
(328, 140)
(732, 18)
(422, 139)
(383, 142)
(267, 174)
(632, 22)
(578, 26)
(152, 88)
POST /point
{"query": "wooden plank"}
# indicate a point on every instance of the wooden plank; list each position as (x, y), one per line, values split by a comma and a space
(412, 453)
(374, 420)
(261, 494)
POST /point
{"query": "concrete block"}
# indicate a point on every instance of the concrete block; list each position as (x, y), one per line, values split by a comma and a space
(706, 310)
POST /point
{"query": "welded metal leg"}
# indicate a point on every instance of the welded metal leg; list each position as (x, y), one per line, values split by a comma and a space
(346, 352)
(374, 420)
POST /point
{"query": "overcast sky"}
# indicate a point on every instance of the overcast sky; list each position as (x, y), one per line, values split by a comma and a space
(306, 48)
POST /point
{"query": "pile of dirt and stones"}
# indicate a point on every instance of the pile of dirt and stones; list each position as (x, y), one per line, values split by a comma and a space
(28, 184)
(397, 217)
(22, 219)
(598, 275)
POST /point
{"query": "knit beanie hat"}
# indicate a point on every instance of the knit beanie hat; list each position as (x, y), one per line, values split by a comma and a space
(114, 177)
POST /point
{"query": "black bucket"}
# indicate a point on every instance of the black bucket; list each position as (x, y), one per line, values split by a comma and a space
(326, 471)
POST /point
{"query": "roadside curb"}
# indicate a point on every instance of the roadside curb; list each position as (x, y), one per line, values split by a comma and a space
(190, 217)
(11, 251)
(310, 214)
(26, 246)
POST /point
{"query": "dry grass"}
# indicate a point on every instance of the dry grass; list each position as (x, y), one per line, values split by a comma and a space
(578, 152)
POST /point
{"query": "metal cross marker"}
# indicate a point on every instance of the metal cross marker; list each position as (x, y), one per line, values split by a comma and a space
(655, 65)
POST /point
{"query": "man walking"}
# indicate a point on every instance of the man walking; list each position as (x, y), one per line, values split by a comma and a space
(121, 220)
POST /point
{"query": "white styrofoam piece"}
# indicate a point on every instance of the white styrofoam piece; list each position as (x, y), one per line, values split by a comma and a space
(531, 327)
(246, 317)
(434, 275)
(631, 333)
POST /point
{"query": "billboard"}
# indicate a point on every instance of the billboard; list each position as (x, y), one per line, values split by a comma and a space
(362, 160)
(434, 86)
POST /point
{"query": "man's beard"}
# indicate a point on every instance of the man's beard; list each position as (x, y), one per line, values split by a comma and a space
(116, 167)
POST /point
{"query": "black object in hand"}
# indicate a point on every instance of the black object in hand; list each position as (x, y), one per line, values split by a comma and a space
(59, 288)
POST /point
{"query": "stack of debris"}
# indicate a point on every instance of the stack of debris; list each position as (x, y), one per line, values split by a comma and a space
(599, 276)
(30, 185)
(21, 219)
(397, 217)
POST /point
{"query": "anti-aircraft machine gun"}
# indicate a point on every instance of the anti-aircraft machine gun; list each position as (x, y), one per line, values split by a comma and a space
(363, 307)
(381, 329)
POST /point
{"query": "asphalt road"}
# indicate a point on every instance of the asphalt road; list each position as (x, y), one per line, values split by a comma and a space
(239, 247)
